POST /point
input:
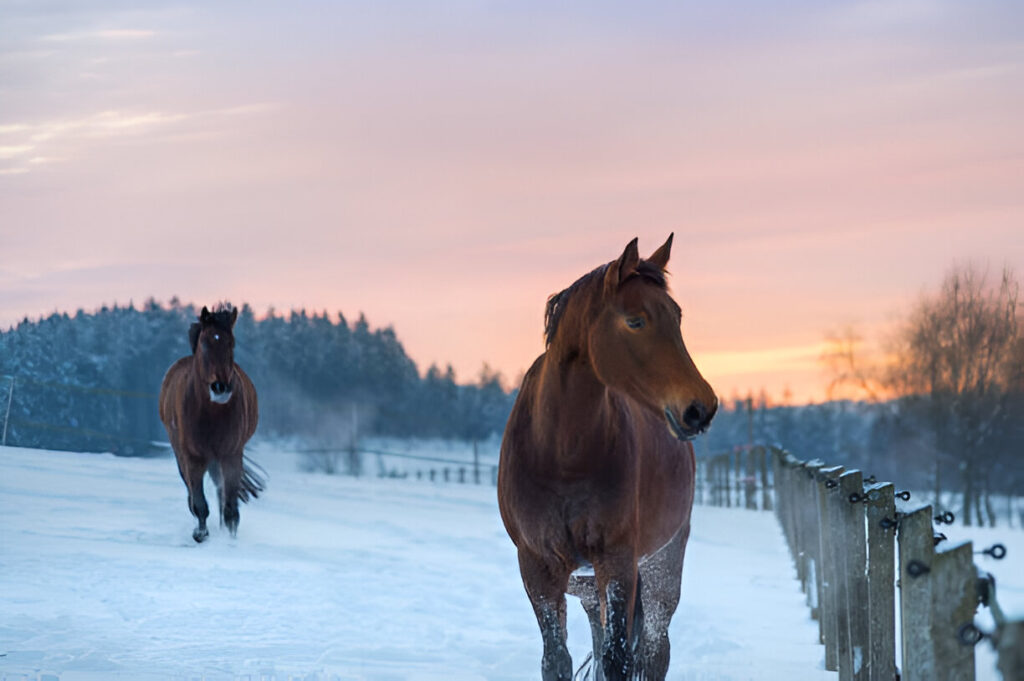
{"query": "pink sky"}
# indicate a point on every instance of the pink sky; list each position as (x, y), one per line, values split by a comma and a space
(444, 171)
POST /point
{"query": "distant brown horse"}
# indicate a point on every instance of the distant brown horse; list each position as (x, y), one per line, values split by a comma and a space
(208, 406)
(597, 470)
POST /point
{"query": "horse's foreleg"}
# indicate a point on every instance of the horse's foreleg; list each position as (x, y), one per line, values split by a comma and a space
(545, 586)
(192, 471)
(584, 587)
(231, 481)
(218, 480)
(659, 592)
(616, 579)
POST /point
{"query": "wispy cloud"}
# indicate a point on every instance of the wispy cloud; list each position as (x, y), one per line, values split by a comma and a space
(28, 146)
(15, 151)
(107, 34)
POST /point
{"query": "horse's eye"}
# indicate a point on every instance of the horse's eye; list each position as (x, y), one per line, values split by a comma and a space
(216, 336)
(636, 322)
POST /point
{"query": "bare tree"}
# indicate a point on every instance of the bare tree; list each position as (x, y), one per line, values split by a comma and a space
(850, 372)
(958, 361)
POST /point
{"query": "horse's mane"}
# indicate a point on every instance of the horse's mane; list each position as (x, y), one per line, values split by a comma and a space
(558, 302)
(221, 318)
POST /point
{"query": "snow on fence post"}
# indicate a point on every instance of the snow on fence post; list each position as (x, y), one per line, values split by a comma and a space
(881, 535)
(827, 484)
(917, 553)
(851, 511)
(954, 602)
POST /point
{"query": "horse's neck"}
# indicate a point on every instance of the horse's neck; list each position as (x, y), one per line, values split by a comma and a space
(199, 389)
(576, 407)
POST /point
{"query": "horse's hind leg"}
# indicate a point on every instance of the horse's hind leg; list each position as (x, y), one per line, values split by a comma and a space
(545, 585)
(231, 474)
(659, 592)
(192, 470)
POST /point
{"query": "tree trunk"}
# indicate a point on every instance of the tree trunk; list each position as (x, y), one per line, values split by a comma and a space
(988, 500)
(968, 492)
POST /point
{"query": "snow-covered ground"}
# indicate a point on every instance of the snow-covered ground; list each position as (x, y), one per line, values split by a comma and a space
(335, 578)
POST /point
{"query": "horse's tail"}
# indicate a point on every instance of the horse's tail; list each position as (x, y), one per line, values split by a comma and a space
(254, 480)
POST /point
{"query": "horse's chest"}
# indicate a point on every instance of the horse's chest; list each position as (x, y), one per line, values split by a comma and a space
(216, 430)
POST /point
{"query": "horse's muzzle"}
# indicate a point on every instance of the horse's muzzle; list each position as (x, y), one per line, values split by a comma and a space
(220, 392)
(696, 419)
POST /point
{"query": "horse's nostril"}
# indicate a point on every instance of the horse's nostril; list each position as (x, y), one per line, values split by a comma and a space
(695, 416)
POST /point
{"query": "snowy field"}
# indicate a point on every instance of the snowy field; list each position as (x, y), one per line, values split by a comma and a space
(336, 578)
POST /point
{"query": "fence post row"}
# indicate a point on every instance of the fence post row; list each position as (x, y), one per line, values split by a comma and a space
(842, 536)
(738, 479)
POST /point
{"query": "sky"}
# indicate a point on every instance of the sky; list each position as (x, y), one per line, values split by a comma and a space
(445, 167)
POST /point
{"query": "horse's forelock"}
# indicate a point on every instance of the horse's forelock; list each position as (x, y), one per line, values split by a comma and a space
(557, 303)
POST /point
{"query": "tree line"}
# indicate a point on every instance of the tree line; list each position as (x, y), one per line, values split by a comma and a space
(940, 409)
(89, 381)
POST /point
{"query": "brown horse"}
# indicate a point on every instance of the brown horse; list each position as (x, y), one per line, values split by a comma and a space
(208, 406)
(597, 469)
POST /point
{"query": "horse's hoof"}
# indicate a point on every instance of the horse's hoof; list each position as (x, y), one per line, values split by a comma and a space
(199, 534)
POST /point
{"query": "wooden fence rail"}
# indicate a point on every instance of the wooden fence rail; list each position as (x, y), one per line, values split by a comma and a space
(843, 533)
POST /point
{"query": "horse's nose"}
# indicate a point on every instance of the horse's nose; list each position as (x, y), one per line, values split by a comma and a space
(218, 387)
(697, 417)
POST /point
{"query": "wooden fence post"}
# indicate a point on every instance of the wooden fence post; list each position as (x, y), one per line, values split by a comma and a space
(812, 531)
(1011, 651)
(750, 480)
(828, 484)
(727, 482)
(766, 495)
(954, 602)
(709, 473)
(917, 553)
(881, 535)
(787, 505)
(854, 651)
(476, 463)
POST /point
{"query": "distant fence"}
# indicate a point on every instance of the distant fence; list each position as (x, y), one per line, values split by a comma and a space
(740, 479)
(843, 532)
(350, 460)
(46, 414)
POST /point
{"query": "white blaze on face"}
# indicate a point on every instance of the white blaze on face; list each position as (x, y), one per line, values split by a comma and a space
(220, 399)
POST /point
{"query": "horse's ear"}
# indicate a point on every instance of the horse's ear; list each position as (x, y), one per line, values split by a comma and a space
(204, 316)
(234, 316)
(660, 257)
(621, 268)
(193, 335)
